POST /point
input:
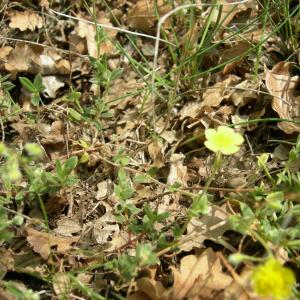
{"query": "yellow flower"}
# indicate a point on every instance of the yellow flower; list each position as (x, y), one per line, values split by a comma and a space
(223, 140)
(271, 279)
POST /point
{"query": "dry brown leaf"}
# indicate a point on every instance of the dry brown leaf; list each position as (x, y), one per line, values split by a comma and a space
(24, 58)
(199, 273)
(105, 228)
(178, 172)
(142, 15)
(229, 11)
(239, 289)
(56, 204)
(61, 284)
(77, 44)
(152, 289)
(67, 227)
(190, 110)
(25, 20)
(155, 150)
(88, 31)
(123, 88)
(102, 189)
(51, 63)
(4, 52)
(191, 267)
(236, 50)
(136, 296)
(211, 226)
(281, 86)
(56, 134)
(42, 242)
(44, 3)
(215, 94)
(211, 281)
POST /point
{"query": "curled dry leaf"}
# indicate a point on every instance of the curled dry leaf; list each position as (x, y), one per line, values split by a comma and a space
(52, 84)
(156, 150)
(25, 20)
(282, 86)
(142, 15)
(213, 96)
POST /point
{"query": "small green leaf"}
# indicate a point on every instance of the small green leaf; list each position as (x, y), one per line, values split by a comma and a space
(59, 169)
(74, 114)
(274, 200)
(116, 73)
(30, 87)
(240, 224)
(83, 144)
(145, 255)
(85, 157)
(38, 83)
(33, 149)
(35, 99)
(199, 205)
(122, 176)
(3, 150)
(18, 220)
(262, 160)
(70, 164)
(141, 178)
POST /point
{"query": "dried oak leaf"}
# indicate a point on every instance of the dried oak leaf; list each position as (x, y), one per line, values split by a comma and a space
(198, 272)
(24, 58)
(142, 15)
(42, 242)
(24, 20)
(282, 86)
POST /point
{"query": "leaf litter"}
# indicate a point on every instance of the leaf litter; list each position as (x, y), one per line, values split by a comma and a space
(109, 127)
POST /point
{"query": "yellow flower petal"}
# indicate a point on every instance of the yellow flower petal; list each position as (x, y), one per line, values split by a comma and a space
(271, 279)
(223, 140)
(230, 149)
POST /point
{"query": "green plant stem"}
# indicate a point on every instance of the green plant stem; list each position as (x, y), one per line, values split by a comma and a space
(216, 166)
(44, 212)
(261, 240)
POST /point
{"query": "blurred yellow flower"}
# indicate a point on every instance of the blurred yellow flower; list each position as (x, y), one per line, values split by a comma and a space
(224, 140)
(271, 279)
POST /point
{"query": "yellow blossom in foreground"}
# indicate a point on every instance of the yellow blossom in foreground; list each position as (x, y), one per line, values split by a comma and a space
(271, 279)
(224, 140)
